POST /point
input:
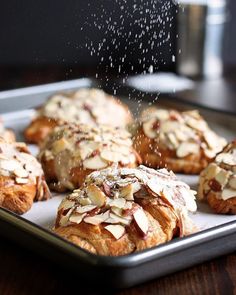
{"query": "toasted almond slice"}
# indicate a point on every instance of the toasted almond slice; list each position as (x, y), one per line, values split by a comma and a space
(226, 158)
(228, 193)
(232, 182)
(187, 148)
(196, 124)
(66, 204)
(117, 211)
(121, 149)
(211, 171)
(119, 203)
(169, 126)
(127, 192)
(181, 135)
(97, 197)
(111, 156)
(87, 147)
(222, 177)
(209, 153)
(118, 219)
(116, 230)
(21, 173)
(94, 163)
(75, 218)
(141, 220)
(174, 142)
(21, 180)
(60, 145)
(10, 165)
(162, 114)
(85, 201)
(148, 128)
(97, 219)
(211, 139)
(86, 208)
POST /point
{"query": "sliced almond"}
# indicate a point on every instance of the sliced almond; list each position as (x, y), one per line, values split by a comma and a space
(97, 197)
(116, 230)
(226, 158)
(85, 201)
(228, 193)
(174, 142)
(21, 173)
(66, 204)
(97, 219)
(59, 145)
(209, 153)
(232, 182)
(211, 139)
(85, 209)
(10, 165)
(148, 128)
(94, 163)
(121, 149)
(118, 219)
(162, 114)
(141, 220)
(127, 192)
(111, 156)
(75, 218)
(181, 135)
(187, 148)
(222, 177)
(117, 211)
(87, 147)
(119, 203)
(169, 126)
(21, 180)
(211, 171)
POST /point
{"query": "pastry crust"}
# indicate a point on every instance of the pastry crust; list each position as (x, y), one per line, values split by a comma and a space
(21, 178)
(85, 106)
(121, 210)
(217, 183)
(71, 152)
(181, 142)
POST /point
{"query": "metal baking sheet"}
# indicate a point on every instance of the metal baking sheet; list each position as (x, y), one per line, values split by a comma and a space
(217, 233)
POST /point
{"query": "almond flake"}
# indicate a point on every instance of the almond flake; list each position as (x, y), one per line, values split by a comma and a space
(85, 209)
(97, 197)
(148, 128)
(226, 158)
(10, 165)
(116, 230)
(222, 177)
(232, 182)
(94, 163)
(211, 139)
(97, 219)
(111, 156)
(228, 193)
(76, 218)
(169, 126)
(162, 114)
(87, 147)
(119, 203)
(127, 192)
(173, 140)
(141, 220)
(187, 148)
(21, 180)
(21, 173)
(59, 145)
(66, 204)
(118, 219)
(84, 201)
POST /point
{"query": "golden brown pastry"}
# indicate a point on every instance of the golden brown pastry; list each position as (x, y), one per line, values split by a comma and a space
(179, 141)
(85, 106)
(21, 178)
(73, 151)
(217, 184)
(122, 210)
(7, 134)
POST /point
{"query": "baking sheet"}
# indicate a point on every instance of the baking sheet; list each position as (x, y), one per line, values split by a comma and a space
(44, 213)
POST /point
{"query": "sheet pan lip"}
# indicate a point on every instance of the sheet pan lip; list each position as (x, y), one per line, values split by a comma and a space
(127, 261)
(57, 86)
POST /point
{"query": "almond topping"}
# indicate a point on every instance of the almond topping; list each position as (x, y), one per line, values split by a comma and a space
(21, 173)
(228, 194)
(59, 145)
(127, 192)
(148, 128)
(186, 149)
(97, 197)
(66, 204)
(97, 219)
(119, 203)
(111, 156)
(94, 163)
(232, 182)
(116, 230)
(222, 177)
(76, 218)
(85, 209)
(21, 180)
(141, 220)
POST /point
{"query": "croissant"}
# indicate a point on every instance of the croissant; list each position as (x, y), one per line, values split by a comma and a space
(180, 141)
(85, 106)
(123, 210)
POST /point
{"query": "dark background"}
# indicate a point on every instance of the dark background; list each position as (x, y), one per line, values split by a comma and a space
(82, 37)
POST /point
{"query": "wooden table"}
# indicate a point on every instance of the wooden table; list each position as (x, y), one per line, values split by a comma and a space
(25, 273)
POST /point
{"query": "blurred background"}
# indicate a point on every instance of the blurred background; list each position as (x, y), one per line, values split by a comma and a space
(50, 41)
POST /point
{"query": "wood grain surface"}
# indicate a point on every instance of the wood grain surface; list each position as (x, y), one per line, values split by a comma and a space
(25, 273)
